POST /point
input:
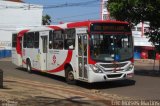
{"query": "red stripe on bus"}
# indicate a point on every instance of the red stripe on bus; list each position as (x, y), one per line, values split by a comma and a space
(87, 23)
(54, 27)
(61, 67)
(19, 38)
(21, 33)
(67, 60)
(78, 24)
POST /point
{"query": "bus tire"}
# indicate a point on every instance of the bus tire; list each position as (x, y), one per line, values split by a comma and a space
(29, 68)
(70, 76)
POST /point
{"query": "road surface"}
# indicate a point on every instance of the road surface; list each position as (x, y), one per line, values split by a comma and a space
(146, 83)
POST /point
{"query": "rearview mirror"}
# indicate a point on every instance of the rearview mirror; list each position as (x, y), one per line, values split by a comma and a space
(71, 47)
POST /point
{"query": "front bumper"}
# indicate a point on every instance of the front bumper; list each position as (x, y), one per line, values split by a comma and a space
(110, 76)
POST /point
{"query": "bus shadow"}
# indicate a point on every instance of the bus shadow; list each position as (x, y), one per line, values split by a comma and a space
(59, 78)
(21, 69)
(98, 85)
(152, 73)
(107, 85)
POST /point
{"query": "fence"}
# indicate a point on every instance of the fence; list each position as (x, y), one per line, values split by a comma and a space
(5, 53)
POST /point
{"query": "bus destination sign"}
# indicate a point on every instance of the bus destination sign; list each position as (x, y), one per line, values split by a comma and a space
(103, 27)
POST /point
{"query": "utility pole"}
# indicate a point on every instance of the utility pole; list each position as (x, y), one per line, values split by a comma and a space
(1, 78)
(101, 9)
(159, 63)
(159, 54)
(142, 29)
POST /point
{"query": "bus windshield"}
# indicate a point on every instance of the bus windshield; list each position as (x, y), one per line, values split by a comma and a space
(105, 47)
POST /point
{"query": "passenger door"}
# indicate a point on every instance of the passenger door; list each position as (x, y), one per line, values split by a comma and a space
(82, 56)
(44, 49)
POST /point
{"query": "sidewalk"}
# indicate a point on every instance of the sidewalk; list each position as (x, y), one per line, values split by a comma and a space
(6, 59)
(146, 62)
(21, 92)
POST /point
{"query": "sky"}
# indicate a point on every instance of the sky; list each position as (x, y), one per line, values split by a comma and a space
(84, 10)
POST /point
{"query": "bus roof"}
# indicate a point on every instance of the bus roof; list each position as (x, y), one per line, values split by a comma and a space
(87, 23)
(67, 25)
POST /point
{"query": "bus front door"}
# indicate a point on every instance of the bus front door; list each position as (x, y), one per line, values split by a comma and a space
(82, 56)
(44, 40)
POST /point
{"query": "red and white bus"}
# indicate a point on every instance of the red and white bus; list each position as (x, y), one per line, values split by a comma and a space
(90, 51)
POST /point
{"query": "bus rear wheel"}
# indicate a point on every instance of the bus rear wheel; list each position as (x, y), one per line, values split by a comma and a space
(29, 68)
(70, 76)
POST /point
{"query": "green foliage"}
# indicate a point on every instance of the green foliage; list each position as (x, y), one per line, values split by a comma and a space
(46, 20)
(135, 11)
(154, 36)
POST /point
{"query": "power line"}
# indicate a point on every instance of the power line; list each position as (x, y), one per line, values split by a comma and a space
(88, 3)
(71, 4)
(75, 20)
(29, 6)
(73, 16)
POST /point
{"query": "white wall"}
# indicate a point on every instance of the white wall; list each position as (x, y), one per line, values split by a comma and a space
(5, 41)
(20, 14)
(14, 15)
(20, 17)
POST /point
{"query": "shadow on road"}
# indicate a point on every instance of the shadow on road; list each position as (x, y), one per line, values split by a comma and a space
(152, 73)
(98, 85)
(59, 78)
(107, 85)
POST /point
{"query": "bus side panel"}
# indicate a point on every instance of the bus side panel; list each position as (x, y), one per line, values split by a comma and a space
(16, 58)
(34, 56)
(74, 64)
(56, 59)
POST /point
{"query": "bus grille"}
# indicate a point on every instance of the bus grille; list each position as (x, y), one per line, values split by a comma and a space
(113, 65)
(114, 75)
(113, 70)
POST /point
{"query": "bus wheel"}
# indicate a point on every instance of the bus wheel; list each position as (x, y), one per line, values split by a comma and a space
(70, 76)
(29, 68)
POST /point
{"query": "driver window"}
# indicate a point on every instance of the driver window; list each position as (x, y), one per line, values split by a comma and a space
(69, 39)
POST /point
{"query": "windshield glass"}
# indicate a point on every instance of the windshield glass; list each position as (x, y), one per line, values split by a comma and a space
(106, 47)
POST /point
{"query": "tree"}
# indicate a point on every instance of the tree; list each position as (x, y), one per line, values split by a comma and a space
(46, 20)
(135, 11)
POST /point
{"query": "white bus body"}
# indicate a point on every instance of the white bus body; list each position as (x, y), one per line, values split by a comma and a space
(65, 50)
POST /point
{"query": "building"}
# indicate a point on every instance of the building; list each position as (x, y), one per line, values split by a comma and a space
(104, 12)
(16, 15)
(142, 47)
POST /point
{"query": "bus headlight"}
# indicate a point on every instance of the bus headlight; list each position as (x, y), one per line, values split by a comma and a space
(129, 68)
(96, 69)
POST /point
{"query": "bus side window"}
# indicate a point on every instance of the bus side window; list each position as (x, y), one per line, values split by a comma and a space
(50, 39)
(25, 41)
(69, 39)
(30, 40)
(58, 40)
(36, 40)
(14, 40)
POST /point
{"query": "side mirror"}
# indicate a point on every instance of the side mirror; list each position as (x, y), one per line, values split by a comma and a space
(50, 42)
(71, 47)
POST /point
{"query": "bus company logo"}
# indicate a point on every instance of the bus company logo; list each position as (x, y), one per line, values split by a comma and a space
(115, 70)
(54, 59)
(115, 65)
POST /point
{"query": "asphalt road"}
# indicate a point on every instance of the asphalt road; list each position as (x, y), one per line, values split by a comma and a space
(146, 83)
